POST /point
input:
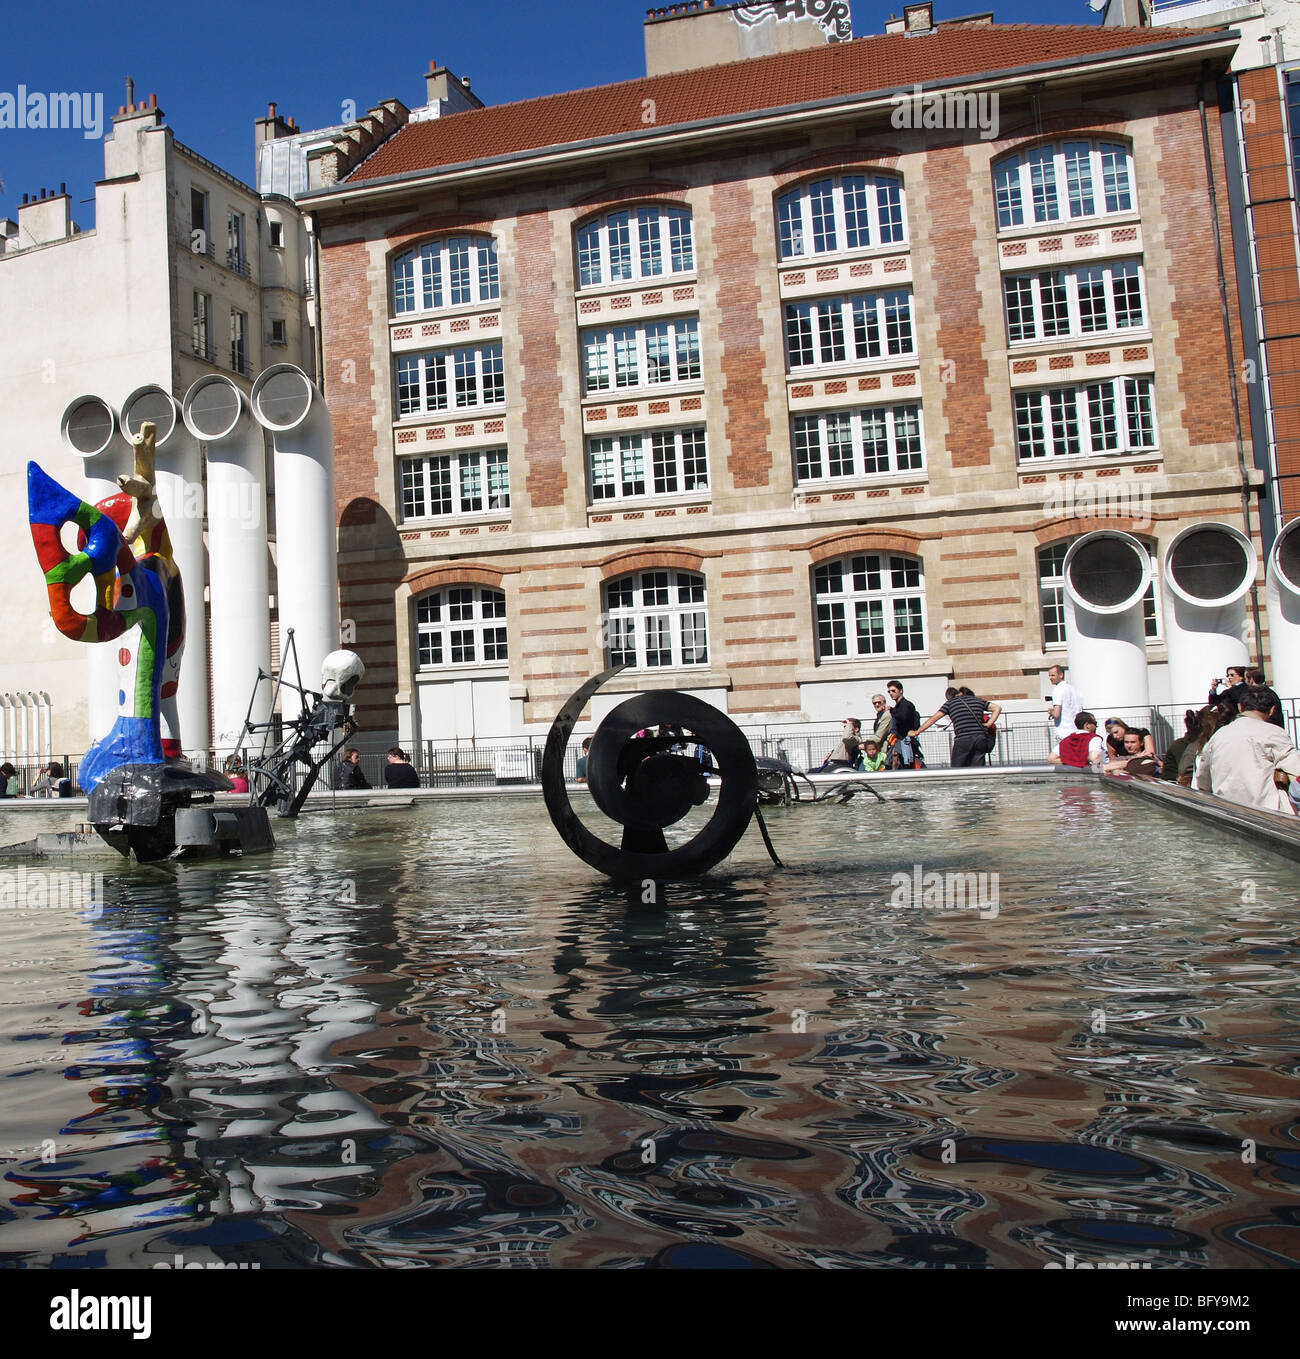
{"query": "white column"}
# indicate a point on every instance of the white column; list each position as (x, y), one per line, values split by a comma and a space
(90, 432)
(1106, 576)
(1209, 569)
(1283, 598)
(290, 405)
(216, 413)
(178, 478)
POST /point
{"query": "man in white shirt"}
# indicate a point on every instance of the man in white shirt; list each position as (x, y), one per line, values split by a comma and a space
(1064, 706)
(1240, 759)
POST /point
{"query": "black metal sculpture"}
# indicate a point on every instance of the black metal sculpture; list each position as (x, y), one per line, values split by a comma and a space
(646, 784)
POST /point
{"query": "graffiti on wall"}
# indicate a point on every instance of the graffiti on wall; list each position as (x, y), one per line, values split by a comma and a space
(831, 16)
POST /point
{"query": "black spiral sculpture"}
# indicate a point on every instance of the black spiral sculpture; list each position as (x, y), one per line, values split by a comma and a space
(643, 786)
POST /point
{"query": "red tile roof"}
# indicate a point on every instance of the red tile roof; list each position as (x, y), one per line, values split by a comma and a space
(849, 68)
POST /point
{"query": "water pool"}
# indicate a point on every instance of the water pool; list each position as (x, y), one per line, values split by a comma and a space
(428, 1036)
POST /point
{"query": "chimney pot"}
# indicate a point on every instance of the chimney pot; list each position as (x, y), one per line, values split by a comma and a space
(433, 66)
(291, 122)
(24, 198)
(153, 101)
(270, 110)
(63, 186)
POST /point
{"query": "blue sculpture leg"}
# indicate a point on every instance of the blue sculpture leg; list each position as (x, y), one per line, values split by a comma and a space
(132, 740)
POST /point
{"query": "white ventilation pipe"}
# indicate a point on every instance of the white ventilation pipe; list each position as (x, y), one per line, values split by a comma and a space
(178, 479)
(7, 727)
(90, 432)
(47, 727)
(1209, 569)
(216, 413)
(1282, 594)
(1106, 577)
(289, 404)
(24, 729)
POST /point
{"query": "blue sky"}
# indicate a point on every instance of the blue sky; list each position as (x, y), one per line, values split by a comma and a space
(215, 68)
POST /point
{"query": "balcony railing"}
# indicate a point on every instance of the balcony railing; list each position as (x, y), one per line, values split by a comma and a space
(237, 263)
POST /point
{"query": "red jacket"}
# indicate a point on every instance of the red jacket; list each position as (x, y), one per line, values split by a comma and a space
(1074, 748)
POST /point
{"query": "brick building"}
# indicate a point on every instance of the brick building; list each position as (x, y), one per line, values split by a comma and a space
(779, 377)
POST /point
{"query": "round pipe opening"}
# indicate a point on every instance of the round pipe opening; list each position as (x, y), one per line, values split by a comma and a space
(88, 426)
(150, 405)
(1209, 564)
(282, 397)
(1285, 558)
(212, 408)
(1107, 572)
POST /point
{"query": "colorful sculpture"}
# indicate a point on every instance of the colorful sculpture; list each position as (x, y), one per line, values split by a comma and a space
(123, 545)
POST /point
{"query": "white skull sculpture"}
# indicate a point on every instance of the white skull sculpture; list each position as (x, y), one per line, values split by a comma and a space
(341, 672)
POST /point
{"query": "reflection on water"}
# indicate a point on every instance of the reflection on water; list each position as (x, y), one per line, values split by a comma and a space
(428, 1036)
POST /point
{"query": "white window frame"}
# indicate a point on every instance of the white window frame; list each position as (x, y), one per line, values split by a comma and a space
(239, 355)
(456, 477)
(840, 450)
(473, 615)
(1051, 594)
(665, 625)
(622, 246)
(844, 605)
(1053, 407)
(486, 372)
(201, 334)
(275, 229)
(617, 358)
(236, 242)
(802, 216)
(647, 465)
(1034, 287)
(1033, 187)
(279, 331)
(852, 325)
(426, 272)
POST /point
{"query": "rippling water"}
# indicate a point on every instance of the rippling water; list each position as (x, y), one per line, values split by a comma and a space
(429, 1036)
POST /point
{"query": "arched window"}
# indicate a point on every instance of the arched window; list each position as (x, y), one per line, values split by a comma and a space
(634, 243)
(870, 605)
(1063, 182)
(656, 620)
(455, 271)
(847, 212)
(1051, 594)
(461, 625)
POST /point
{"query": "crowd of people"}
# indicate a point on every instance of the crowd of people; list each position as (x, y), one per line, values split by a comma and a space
(53, 782)
(1235, 747)
(893, 742)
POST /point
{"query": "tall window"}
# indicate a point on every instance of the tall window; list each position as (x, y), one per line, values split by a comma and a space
(1051, 595)
(1062, 182)
(457, 271)
(1114, 416)
(637, 356)
(656, 620)
(1293, 118)
(849, 212)
(200, 237)
(455, 483)
(1090, 300)
(635, 243)
(201, 336)
(871, 605)
(446, 379)
(848, 329)
(462, 625)
(857, 443)
(239, 341)
(658, 462)
(235, 243)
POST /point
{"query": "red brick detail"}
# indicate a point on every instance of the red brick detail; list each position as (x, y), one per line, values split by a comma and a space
(493, 426)
(812, 500)
(878, 494)
(1097, 358)
(689, 403)
(904, 380)
(913, 490)
(838, 159)
(1136, 355)
(437, 432)
(629, 190)
(461, 323)
(1085, 239)
(837, 388)
(796, 280)
(624, 412)
(621, 303)
(460, 573)
(686, 294)
(405, 436)
(860, 270)
(959, 299)
(698, 509)
(590, 307)
(637, 514)
(845, 495)
(651, 299)
(858, 540)
(828, 275)
(464, 431)
(868, 384)
(804, 390)
(741, 332)
(403, 333)
(489, 321)
(597, 413)
(648, 559)
(1071, 527)
(1030, 481)
(1148, 467)
(499, 528)
(602, 518)
(440, 533)
(665, 514)
(432, 328)
(659, 408)
(467, 531)
(540, 383)
(435, 224)
(895, 266)
(1050, 243)
(1122, 235)
(1058, 361)
(1109, 471)
(1013, 248)
(1025, 366)
(409, 537)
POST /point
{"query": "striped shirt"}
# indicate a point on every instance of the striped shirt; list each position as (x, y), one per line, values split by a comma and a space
(966, 714)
